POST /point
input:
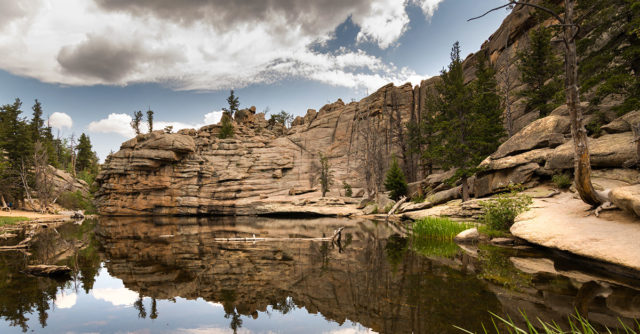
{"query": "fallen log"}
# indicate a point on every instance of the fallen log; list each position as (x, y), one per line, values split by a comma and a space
(47, 270)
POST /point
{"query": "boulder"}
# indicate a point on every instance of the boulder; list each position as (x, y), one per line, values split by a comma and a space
(538, 156)
(486, 184)
(297, 121)
(611, 150)
(545, 132)
(627, 198)
(444, 196)
(622, 123)
(467, 236)
(174, 142)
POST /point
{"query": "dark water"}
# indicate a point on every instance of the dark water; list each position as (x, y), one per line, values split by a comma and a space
(134, 275)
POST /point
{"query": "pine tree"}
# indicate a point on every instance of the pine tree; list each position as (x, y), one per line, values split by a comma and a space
(326, 177)
(468, 119)
(537, 66)
(86, 158)
(135, 122)
(150, 120)
(395, 181)
(37, 124)
(233, 102)
(226, 129)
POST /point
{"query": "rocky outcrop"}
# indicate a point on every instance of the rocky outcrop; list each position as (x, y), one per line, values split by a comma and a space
(627, 198)
(63, 182)
(193, 172)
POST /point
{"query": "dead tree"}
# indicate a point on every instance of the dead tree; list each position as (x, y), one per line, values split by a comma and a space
(582, 160)
(43, 176)
(370, 130)
(507, 84)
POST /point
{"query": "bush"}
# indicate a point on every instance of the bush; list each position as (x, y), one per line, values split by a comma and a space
(395, 181)
(418, 198)
(562, 181)
(226, 130)
(501, 211)
(347, 189)
(76, 201)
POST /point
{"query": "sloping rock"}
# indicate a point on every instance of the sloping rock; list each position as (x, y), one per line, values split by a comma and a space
(562, 222)
(467, 236)
(545, 132)
(623, 123)
(538, 156)
(606, 151)
(63, 181)
(627, 198)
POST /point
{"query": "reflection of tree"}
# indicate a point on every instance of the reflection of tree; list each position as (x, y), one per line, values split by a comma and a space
(154, 309)
(139, 305)
(236, 322)
(395, 248)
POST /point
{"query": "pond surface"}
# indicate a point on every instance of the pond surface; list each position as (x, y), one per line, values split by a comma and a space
(182, 275)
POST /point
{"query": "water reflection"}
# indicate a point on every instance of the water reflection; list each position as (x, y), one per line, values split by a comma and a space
(180, 275)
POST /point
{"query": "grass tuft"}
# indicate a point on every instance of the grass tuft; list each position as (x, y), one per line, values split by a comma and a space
(436, 228)
(12, 220)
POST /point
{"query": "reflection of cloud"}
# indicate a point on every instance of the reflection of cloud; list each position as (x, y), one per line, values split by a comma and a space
(115, 296)
(350, 331)
(211, 330)
(65, 300)
(216, 305)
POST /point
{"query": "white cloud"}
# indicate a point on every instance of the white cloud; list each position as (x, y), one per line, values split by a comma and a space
(115, 296)
(65, 300)
(352, 330)
(212, 330)
(60, 120)
(121, 124)
(196, 45)
(114, 123)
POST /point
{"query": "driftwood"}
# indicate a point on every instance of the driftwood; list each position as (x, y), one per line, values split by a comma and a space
(395, 207)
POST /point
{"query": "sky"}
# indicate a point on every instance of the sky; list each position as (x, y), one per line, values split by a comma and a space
(92, 63)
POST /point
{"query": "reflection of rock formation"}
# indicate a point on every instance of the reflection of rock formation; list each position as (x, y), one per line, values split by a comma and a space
(360, 284)
(374, 281)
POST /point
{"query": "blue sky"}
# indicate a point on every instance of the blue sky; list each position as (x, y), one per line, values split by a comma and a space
(96, 61)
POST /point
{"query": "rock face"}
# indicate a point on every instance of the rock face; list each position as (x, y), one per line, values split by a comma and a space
(193, 172)
(627, 198)
(63, 181)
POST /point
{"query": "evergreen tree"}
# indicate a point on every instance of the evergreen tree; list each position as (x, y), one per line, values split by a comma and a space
(135, 122)
(86, 158)
(468, 119)
(150, 120)
(226, 129)
(16, 147)
(233, 102)
(37, 124)
(395, 181)
(326, 177)
(537, 66)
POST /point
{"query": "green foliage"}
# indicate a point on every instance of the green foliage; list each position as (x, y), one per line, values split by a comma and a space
(562, 181)
(326, 176)
(226, 129)
(150, 120)
(577, 325)
(498, 268)
(135, 121)
(395, 181)
(234, 104)
(499, 212)
(348, 192)
(540, 70)
(436, 228)
(283, 118)
(12, 220)
(491, 233)
(86, 159)
(77, 201)
(418, 198)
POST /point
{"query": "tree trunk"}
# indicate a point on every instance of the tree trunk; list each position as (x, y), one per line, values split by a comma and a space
(465, 189)
(582, 160)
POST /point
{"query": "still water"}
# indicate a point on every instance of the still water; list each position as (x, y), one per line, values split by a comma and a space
(181, 275)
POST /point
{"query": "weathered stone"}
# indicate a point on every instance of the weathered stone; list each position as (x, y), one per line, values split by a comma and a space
(606, 151)
(467, 236)
(503, 241)
(545, 132)
(627, 198)
(623, 123)
(48, 270)
(500, 179)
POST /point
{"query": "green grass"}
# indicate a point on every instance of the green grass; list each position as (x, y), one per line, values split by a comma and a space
(492, 233)
(436, 228)
(438, 248)
(577, 325)
(12, 220)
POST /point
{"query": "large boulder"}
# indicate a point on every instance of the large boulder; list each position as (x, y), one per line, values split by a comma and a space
(159, 140)
(498, 180)
(627, 198)
(622, 123)
(545, 132)
(606, 151)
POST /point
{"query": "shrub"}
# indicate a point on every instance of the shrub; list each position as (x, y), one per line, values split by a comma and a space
(501, 211)
(562, 181)
(418, 198)
(395, 181)
(347, 189)
(12, 220)
(76, 201)
(226, 130)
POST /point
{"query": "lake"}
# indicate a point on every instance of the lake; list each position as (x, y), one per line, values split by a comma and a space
(184, 275)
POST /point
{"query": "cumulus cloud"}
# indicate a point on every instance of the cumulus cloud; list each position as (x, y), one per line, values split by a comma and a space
(60, 120)
(115, 296)
(120, 124)
(199, 45)
(65, 300)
